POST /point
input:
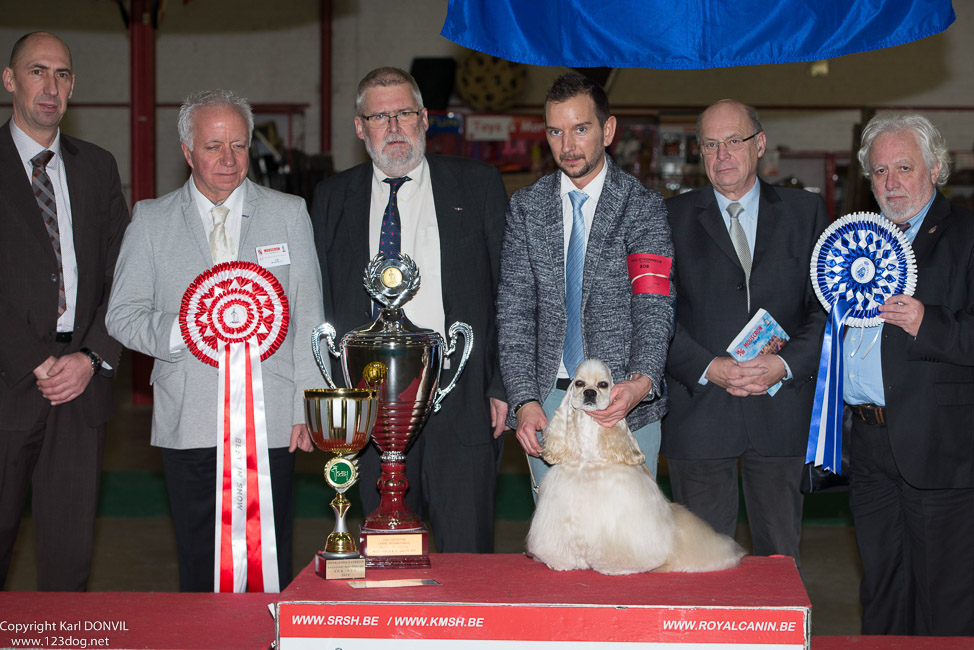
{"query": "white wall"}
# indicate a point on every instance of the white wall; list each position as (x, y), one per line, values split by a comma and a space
(270, 53)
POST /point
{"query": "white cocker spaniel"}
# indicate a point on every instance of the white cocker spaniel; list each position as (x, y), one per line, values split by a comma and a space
(600, 508)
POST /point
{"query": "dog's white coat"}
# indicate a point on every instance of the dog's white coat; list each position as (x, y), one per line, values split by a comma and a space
(600, 508)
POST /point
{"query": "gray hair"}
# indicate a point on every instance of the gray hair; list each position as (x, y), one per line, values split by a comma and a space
(933, 146)
(387, 76)
(206, 99)
(750, 111)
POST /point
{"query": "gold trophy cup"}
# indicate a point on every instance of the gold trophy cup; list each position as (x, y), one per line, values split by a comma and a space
(340, 421)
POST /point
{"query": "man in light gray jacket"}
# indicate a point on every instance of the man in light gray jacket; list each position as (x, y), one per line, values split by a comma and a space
(224, 370)
(585, 273)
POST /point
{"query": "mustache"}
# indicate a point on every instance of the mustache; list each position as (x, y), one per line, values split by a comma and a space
(395, 137)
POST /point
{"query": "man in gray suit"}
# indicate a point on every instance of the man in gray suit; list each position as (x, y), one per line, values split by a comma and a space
(218, 216)
(585, 273)
(720, 409)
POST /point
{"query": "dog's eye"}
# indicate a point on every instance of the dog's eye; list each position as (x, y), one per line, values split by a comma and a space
(579, 383)
(603, 384)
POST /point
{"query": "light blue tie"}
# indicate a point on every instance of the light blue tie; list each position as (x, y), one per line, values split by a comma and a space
(574, 353)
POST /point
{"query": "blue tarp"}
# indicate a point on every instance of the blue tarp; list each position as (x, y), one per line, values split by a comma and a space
(685, 34)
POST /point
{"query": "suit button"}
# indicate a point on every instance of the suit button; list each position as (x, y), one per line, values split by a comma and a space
(54, 277)
(740, 286)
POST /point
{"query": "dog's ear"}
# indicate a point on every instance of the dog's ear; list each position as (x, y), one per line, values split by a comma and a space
(618, 445)
(556, 444)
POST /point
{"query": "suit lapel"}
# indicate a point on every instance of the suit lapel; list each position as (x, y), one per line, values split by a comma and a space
(249, 210)
(931, 229)
(710, 219)
(353, 232)
(553, 227)
(448, 200)
(193, 223)
(606, 212)
(15, 188)
(769, 214)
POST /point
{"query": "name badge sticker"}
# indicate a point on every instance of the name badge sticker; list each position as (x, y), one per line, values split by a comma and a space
(649, 273)
(273, 255)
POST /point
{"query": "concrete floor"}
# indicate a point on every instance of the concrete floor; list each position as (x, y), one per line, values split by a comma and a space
(138, 553)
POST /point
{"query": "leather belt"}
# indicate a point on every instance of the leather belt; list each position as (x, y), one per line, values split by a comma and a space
(870, 413)
(63, 337)
(563, 384)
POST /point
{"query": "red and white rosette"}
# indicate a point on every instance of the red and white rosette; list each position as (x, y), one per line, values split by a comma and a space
(234, 316)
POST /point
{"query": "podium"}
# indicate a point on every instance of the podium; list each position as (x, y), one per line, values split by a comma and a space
(512, 601)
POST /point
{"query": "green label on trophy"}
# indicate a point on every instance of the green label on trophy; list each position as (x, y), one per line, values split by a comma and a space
(340, 473)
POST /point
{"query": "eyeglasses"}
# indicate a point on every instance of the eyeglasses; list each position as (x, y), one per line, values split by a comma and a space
(404, 118)
(709, 147)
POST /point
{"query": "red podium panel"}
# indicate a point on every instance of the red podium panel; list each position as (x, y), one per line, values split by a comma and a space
(510, 601)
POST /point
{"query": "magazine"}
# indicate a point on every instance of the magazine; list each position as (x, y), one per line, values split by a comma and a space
(762, 335)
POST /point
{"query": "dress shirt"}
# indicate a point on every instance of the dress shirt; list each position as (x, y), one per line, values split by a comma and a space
(27, 147)
(749, 223)
(864, 370)
(419, 238)
(593, 190)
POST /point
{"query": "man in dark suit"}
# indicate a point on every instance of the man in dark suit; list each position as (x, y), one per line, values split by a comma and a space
(62, 215)
(720, 409)
(451, 215)
(912, 399)
(585, 273)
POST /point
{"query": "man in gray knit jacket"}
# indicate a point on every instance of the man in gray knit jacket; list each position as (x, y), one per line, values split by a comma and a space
(585, 273)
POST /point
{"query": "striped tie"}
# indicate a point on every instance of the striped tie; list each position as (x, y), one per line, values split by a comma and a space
(40, 182)
(739, 240)
(574, 352)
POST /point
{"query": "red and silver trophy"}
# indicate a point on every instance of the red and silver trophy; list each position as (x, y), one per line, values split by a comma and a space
(408, 392)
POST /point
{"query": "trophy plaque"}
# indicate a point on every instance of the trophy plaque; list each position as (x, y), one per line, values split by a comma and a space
(340, 421)
(402, 362)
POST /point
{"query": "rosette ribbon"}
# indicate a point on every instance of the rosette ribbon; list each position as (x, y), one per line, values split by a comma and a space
(859, 261)
(234, 316)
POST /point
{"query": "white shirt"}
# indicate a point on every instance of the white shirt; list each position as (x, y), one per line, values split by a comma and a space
(594, 191)
(234, 203)
(27, 147)
(420, 239)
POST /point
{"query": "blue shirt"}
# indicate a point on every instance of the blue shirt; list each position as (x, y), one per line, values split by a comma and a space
(863, 381)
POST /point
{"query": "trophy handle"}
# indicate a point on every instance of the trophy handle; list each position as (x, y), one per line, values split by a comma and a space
(326, 330)
(467, 331)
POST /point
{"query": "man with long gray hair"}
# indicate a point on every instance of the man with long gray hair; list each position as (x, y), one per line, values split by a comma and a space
(219, 378)
(912, 397)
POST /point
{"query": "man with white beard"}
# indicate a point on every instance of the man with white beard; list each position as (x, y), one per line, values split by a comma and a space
(447, 214)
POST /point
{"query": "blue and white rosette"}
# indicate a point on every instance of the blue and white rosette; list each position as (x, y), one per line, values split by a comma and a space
(858, 263)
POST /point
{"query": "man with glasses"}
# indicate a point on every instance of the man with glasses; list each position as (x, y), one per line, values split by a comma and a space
(446, 213)
(742, 245)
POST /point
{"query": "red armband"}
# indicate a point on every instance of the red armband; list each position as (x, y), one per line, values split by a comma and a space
(649, 273)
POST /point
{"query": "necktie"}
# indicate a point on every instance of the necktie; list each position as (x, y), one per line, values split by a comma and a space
(739, 240)
(390, 236)
(219, 243)
(40, 182)
(574, 352)
(903, 226)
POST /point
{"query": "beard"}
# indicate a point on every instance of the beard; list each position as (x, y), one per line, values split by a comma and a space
(590, 164)
(398, 163)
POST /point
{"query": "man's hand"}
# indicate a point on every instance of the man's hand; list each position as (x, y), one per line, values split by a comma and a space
(498, 414)
(732, 376)
(300, 439)
(66, 378)
(530, 420)
(40, 371)
(774, 371)
(624, 397)
(906, 312)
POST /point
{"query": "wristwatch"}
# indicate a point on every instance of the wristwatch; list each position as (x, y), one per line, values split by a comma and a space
(95, 360)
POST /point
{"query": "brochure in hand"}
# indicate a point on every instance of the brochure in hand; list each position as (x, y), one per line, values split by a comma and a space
(762, 335)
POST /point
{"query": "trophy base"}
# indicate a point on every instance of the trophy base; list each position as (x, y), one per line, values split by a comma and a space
(395, 549)
(339, 568)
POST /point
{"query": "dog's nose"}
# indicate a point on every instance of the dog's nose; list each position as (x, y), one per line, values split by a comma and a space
(589, 394)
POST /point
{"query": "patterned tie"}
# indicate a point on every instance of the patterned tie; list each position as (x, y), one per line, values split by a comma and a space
(219, 243)
(574, 352)
(740, 245)
(40, 182)
(390, 236)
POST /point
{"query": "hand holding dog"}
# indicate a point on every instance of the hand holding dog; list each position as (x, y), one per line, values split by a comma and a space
(530, 420)
(624, 397)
